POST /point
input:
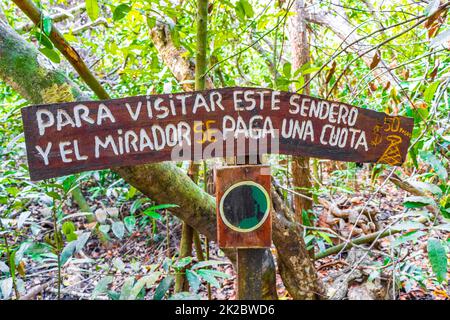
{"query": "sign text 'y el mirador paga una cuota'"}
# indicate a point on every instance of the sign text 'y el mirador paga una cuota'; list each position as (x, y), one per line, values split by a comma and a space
(67, 138)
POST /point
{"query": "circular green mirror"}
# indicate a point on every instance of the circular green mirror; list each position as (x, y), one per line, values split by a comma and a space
(245, 206)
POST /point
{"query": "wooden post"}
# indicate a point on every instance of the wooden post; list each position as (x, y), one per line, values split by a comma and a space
(251, 245)
(249, 270)
(249, 273)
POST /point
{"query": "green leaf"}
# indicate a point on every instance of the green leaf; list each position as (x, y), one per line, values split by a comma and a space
(121, 11)
(130, 223)
(43, 40)
(308, 239)
(136, 205)
(47, 25)
(207, 263)
(12, 264)
(71, 237)
(92, 9)
(425, 186)
(438, 259)
(126, 288)
(151, 211)
(14, 191)
(305, 218)
(67, 252)
(68, 227)
(309, 70)
(408, 225)
(417, 202)
(430, 91)
(410, 236)
(248, 9)
(151, 22)
(175, 33)
(119, 264)
(82, 239)
(183, 262)
(131, 193)
(435, 163)
(327, 237)
(104, 228)
(113, 295)
(102, 286)
(194, 280)
(54, 195)
(445, 212)
(118, 229)
(146, 281)
(210, 276)
(152, 214)
(52, 54)
(22, 218)
(163, 287)
(287, 69)
(37, 250)
(68, 182)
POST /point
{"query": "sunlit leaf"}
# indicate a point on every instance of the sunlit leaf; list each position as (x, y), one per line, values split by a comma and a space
(193, 279)
(130, 223)
(417, 202)
(118, 229)
(102, 286)
(438, 258)
(121, 11)
(92, 9)
(126, 288)
(47, 25)
(163, 287)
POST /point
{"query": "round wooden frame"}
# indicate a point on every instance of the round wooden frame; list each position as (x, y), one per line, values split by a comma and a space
(266, 213)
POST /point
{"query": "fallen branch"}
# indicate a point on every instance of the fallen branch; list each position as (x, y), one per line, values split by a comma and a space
(405, 185)
(362, 240)
(33, 292)
(81, 295)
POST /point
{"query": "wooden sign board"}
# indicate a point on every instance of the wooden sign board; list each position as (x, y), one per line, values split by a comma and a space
(67, 138)
(243, 205)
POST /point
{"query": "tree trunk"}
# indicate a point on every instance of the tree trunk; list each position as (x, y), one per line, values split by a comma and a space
(187, 237)
(295, 265)
(298, 39)
(30, 73)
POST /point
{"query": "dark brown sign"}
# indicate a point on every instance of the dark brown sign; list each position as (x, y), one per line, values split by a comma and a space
(243, 206)
(67, 138)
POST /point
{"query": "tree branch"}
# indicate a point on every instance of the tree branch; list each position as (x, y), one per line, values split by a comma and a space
(30, 9)
(58, 17)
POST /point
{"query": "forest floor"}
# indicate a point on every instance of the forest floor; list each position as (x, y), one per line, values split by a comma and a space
(144, 251)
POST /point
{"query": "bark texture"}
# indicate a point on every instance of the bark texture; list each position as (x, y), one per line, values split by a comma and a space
(295, 265)
(183, 69)
(29, 72)
(298, 39)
